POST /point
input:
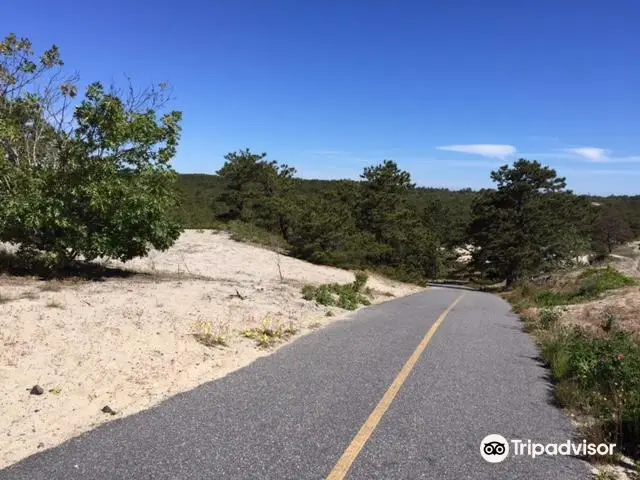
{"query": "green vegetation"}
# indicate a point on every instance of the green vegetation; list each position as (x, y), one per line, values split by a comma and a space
(596, 374)
(348, 296)
(267, 335)
(599, 377)
(385, 223)
(250, 233)
(381, 223)
(548, 317)
(86, 177)
(610, 229)
(589, 285)
(529, 224)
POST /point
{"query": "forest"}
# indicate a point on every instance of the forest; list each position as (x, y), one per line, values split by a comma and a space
(530, 223)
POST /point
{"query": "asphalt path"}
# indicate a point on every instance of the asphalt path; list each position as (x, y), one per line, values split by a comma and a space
(398, 391)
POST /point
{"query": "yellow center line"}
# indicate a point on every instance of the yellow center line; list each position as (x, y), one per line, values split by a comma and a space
(353, 450)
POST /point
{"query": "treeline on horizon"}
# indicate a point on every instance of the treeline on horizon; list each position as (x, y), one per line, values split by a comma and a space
(530, 223)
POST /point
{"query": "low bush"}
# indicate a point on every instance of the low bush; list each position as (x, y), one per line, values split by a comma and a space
(610, 321)
(601, 378)
(548, 317)
(589, 286)
(348, 296)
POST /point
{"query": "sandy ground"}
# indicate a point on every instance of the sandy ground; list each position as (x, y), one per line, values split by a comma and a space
(623, 303)
(128, 342)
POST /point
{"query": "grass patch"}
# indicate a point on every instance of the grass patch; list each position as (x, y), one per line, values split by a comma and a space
(598, 377)
(267, 335)
(596, 373)
(210, 335)
(348, 296)
(589, 285)
(315, 325)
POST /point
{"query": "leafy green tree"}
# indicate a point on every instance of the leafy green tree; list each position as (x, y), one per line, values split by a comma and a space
(94, 180)
(386, 213)
(530, 223)
(384, 202)
(257, 190)
(610, 229)
(326, 230)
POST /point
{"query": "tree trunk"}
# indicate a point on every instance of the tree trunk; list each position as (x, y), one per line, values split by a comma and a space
(511, 279)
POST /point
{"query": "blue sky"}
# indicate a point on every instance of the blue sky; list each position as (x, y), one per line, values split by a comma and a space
(448, 89)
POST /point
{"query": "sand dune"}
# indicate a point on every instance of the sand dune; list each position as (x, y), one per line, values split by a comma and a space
(128, 342)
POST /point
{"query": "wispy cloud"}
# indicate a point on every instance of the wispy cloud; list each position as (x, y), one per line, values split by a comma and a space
(485, 149)
(599, 155)
(593, 154)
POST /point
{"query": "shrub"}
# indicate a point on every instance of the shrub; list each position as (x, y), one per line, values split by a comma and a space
(324, 296)
(548, 317)
(609, 322)
(97, 183)
(348, 296)
(308, 292)
(360, 281)
(601, 377)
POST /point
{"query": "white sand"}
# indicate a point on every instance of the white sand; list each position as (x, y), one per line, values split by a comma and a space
(128, 343)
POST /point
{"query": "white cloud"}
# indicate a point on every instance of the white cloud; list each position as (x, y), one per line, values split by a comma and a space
(484, 149)
(591, 153)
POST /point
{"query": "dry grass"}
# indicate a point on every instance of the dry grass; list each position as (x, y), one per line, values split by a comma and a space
(53, 303)
(212, 334)
(51, 286)
(29, 295)
(269, 334)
